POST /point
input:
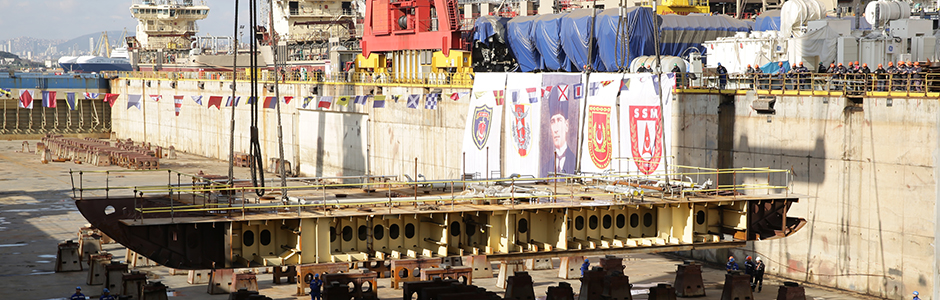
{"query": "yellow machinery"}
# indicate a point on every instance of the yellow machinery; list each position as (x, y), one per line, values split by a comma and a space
(679, 7)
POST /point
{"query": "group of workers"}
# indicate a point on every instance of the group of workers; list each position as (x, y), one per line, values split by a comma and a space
(105, 294)
(906, 76)
(754, 268)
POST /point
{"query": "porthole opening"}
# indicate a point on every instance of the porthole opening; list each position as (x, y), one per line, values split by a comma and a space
(700, 217)
(621, 221)
(363, 232)
(378, 232)
(634, 220)
(579, 223)
(394, 231)
(592, 222)
(523, 225)
(409, 231)
(347, 233)
(248, 238)
(455, 228)
(265, 237)
(648, 220)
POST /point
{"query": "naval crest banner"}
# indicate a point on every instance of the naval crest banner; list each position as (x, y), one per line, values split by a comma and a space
(522, 119)
(600, 147)
(482, 140)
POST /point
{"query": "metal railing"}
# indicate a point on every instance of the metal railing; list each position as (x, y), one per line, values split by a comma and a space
(862, 84)
(443, 79)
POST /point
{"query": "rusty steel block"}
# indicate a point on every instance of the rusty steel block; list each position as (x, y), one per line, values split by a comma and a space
(244, 294)
(197, 276)
(336, 291)
(364, 285)
(135, 260)
(455, 290)
(68, 258)
(592, 284)
(689, 280)
(481, 266)
(290, 272)
(561, 292)
(305, 274)
(154, 291)
(114, 278)
(133, 284)
(245, 280)
(96, 268)
(381, 267)
(612, 264)
(791, 291)
(507, 269)
(220, 281)
(407, 270)
(662, 291)
(616, 287)
(737, 287)
(520, 287)
(464, 275)
(412, 290)
(570, 267)
(89, 245)
(538, 264)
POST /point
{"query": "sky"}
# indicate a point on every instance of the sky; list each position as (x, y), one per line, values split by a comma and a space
(67, 19)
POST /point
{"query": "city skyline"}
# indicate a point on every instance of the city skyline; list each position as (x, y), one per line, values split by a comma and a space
(56, 19)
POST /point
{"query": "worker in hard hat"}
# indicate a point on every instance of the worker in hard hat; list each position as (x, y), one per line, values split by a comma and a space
(749, 267)
(731, 265)
(315, 285)
(78, 294)
(864, 76)
(917, 77)
(892, 75)
(758, 275)
(106, 295)
(585, 266)
(916, 295)
(880, 75)
(722, 76)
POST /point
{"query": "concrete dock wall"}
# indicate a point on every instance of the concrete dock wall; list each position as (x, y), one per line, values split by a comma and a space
(868, 168)
(340, 141)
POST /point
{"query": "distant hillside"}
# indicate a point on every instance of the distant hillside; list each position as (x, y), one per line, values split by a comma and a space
(8, 55)
(81, 43)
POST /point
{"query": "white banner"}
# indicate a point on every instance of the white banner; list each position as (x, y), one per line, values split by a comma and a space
(642, 122)
(523, 114)
(599, 146)
(482, 137)
(562, 94)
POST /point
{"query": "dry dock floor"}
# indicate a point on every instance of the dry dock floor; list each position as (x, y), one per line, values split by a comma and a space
(36, 213)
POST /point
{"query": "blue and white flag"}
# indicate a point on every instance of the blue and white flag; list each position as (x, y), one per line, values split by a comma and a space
(229, 102)
(91, 95)
(70, 100)
(413, 101)
(378, 101)
(197, 99)
(361, 100)
(431, 101)
(133, 100)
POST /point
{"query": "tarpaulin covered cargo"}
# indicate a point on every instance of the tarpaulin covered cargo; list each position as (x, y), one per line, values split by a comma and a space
(683, 32)
(521, 42)
(638, 26)
(487, 26)
(576, 39)
(547, 36)
(769, 20)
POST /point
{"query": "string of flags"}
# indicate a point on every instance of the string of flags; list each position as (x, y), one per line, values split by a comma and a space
(412, 101)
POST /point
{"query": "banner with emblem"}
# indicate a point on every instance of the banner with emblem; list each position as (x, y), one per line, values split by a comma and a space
(641, 123)
(522, 130)
(600, 134)
(482, 138)
(558, 143)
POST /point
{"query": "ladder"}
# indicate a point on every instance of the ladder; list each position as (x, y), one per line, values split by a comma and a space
(453, 15)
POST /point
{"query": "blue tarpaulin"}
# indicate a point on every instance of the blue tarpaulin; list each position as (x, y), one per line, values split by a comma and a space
(772, 67)
(487, 26)
(680, 33)
(576, 38)
(639, 28)
(547, 37)
(518, 33)
(769, 20)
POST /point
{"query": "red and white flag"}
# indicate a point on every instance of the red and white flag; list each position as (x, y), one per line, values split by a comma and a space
(26, 99)
(156, 98)
(178, 103)
(287, 99)
(111, 99)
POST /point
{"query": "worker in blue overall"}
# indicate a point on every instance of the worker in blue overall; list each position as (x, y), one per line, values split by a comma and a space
(78, 294)
(731, 265)
(916, 295)
(722, 76)
(106, 295)
(315, 285)
(585, 266)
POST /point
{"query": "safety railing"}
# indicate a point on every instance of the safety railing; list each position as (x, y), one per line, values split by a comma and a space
(618, 186)
(443, 79)
(861, 84)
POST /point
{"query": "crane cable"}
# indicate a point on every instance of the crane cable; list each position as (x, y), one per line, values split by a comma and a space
(255, 162)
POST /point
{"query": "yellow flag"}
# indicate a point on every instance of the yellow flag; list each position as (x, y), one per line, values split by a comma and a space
(343, 100)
